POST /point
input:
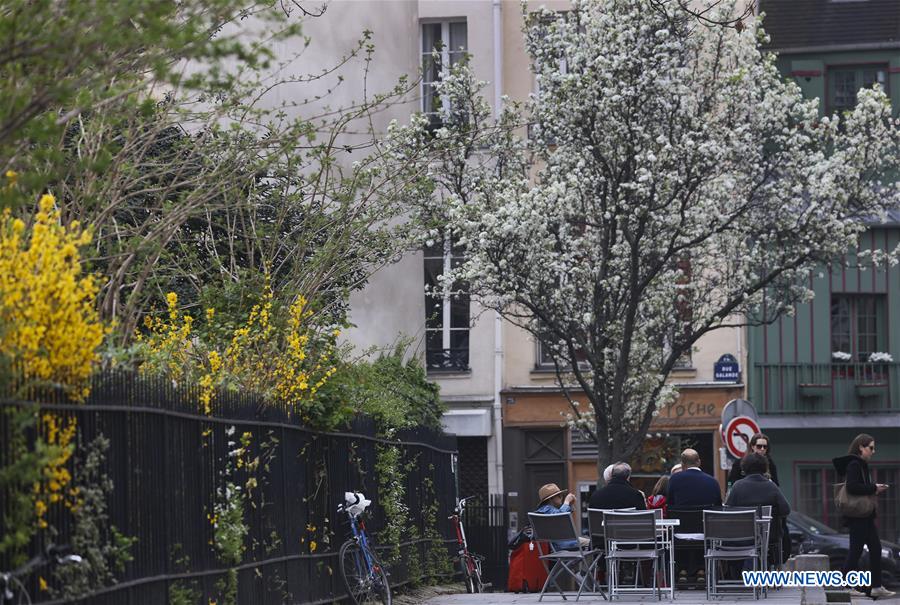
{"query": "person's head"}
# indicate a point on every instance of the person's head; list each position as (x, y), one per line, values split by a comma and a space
(661, 487)
(676, 469)
(863, 445)
(760, 444)
(755, 464)
(621, 470)
(690, 459)
(551, 494)
(607, 472)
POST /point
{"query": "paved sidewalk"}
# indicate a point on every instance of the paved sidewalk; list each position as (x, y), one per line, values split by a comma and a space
(786, 596)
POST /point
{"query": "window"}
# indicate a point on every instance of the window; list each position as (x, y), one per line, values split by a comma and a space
(815, 496)
(545, 359)
(857, 326)
(450, 40)
(845, 82)
(542, 23)
(446, 314)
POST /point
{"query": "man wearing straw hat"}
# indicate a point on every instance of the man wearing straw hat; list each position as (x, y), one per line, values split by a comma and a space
(553, 503)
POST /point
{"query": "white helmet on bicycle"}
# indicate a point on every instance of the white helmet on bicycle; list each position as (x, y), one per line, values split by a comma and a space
(355, 503)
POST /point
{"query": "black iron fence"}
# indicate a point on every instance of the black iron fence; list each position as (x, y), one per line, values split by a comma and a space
(486, 522)
(168, 464)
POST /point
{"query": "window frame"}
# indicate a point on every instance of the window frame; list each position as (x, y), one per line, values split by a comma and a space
(854, 336)
(830, 69)
(548, 366)
(446, 62)
(449, 254)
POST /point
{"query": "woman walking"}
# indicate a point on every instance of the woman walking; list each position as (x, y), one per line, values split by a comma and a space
(854, 467)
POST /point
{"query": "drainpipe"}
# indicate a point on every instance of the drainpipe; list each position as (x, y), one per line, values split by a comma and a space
(498, 321)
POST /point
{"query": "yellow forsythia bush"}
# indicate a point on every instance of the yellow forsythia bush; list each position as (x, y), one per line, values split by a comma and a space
(48, 320)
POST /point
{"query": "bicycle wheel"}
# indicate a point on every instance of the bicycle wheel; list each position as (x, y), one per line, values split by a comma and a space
(477, 584)
(363, 585)
(468, 578)
(380, 584)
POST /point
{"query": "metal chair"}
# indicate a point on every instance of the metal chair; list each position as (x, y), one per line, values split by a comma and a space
(688, 538)
(729, 535)
(561, 528)
(598, 535)
(595, 523)
(637, 532)
(764, 512)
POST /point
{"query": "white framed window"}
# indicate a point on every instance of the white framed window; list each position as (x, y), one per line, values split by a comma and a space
(545, 359)
(844, 82)
(447, 313)
(449, 39)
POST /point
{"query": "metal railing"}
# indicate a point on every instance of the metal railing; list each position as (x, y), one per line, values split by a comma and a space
(447, 360)
(826, 388)
(166, 461)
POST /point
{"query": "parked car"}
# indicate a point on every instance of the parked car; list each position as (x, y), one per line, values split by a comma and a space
(809, 536)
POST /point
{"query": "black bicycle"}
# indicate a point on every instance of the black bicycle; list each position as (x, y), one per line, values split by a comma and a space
(12, 588)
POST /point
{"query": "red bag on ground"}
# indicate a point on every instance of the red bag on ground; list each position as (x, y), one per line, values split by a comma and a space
(526, 572)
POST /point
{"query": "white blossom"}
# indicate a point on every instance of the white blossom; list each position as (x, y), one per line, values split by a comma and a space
(670, 177)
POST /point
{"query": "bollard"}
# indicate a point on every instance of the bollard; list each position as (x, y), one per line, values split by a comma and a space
(816, 595)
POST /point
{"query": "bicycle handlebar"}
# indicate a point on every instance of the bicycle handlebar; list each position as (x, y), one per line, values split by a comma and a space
(461, 505)
(343, 507)
(57, 554)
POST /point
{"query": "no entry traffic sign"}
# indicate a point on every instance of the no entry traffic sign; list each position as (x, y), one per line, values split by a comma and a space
(738, 433)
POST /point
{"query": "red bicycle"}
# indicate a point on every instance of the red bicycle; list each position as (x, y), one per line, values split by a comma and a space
(469, 563)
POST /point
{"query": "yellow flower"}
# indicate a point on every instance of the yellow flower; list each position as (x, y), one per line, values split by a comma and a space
(312, 546)
(47, 202)
(42, 584)
(11, 177)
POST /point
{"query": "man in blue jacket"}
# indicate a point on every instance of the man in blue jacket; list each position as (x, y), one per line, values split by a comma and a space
(692, 488)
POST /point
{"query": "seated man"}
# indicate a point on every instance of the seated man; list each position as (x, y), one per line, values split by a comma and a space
(692, 489)
(618, 492)
(755, 489)
(551, 503)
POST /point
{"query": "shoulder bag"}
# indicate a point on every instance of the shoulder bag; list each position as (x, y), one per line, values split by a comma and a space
(851, 505)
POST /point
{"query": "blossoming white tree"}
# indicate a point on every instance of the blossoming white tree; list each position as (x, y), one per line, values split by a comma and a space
(671, 183)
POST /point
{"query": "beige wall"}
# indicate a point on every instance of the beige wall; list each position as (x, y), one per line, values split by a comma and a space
(392, 305)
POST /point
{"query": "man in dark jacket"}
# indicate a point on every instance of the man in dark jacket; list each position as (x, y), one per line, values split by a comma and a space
(755, 489)
(618, 493)
(692, 487)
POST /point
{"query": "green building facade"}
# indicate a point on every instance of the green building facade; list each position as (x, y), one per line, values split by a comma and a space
(832, 370)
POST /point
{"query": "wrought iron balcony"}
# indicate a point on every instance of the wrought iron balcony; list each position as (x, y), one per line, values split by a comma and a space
(447, 360)
(826, 388)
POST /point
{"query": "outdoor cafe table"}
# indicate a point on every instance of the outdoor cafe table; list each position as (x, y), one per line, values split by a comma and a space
(665, 528)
